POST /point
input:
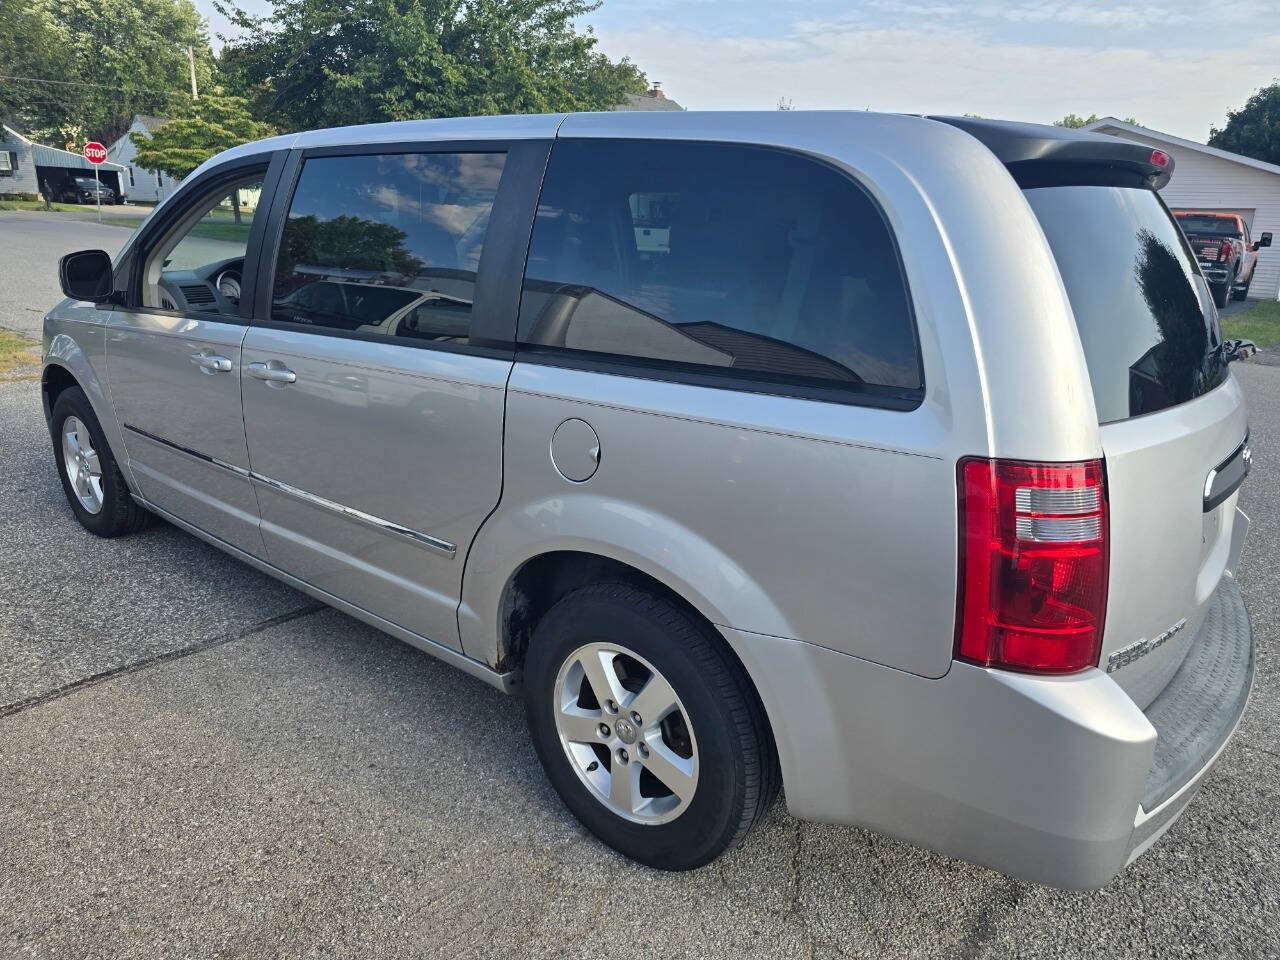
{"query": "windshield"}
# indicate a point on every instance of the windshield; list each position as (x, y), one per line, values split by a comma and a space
(1213, 226)
(85, 182)
(1149, 330)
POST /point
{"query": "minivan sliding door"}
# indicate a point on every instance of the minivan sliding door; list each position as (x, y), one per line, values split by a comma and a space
(374, 385)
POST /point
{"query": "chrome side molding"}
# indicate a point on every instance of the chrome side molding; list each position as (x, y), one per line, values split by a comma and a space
(435, 544)
(359, 516)
(203, 457)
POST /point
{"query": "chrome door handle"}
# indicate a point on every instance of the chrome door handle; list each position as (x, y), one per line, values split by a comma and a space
(273, 372)
(211, 362)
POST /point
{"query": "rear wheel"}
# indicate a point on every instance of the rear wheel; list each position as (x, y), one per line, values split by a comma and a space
(91, 480)
(1220, 293)
(647, 727)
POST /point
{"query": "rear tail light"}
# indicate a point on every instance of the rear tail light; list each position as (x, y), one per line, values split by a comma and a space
(1033, 565)
(1224, 251)
(1159, 158)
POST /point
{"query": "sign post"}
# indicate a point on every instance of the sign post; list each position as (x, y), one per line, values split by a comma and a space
(96, 154)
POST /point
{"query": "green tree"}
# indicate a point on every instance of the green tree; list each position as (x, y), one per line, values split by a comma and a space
(358, 243)
(317, 63)
(1254, 129)
(89, 65)
(204, 127)
(1075, 122)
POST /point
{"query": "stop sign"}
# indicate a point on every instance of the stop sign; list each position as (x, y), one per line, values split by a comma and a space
(95, 152)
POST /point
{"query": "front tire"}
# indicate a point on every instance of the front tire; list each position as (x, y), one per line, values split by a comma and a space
(647, 727)
(1242, 291)
(94, 486)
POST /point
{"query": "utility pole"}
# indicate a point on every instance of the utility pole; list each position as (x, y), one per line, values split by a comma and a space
(191, 62)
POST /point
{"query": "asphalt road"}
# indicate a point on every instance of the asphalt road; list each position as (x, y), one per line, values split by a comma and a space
(33, 243)
(196, 761)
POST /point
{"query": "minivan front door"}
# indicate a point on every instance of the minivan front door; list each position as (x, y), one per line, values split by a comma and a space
(373, 407)
(173, 361)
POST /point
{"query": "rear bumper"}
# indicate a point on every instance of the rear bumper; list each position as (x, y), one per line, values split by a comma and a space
(1042, 778)
(1214, 274)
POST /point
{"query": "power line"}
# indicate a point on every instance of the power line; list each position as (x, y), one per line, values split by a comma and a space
(102, 86)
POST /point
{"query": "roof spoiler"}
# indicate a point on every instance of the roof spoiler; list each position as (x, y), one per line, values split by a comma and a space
(1042, 156)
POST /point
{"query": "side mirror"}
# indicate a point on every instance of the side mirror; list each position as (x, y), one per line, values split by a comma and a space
(1263, 241)
(87, 275)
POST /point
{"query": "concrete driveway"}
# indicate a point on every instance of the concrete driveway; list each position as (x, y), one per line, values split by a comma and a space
(196, 761)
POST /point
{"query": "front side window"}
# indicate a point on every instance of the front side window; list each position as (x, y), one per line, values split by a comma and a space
(721, 260)
(386, 245)
(198, 265)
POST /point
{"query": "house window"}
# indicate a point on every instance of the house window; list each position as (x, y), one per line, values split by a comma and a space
(131, 183)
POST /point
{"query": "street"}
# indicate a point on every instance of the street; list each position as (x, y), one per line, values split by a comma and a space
(196, 760)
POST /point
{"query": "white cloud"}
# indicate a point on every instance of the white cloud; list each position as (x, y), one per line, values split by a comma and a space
(942, 66)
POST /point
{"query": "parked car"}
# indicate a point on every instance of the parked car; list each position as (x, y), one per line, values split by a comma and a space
(903, 471)
(1224, 249)
(85, 190)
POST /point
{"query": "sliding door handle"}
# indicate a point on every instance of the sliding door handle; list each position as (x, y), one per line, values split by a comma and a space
(273, 372)
(211, 362)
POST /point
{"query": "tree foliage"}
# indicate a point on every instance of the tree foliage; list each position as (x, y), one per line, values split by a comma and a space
(359, 244)
(202, 128)
(319, 63)
(110, 58)
(1254, 129)
(1075, 122)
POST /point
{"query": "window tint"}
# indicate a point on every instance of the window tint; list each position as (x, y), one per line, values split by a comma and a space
(727, 260)
(1149, 330)
(386, 245)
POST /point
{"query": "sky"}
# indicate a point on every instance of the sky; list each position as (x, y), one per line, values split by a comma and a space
(1176, 67)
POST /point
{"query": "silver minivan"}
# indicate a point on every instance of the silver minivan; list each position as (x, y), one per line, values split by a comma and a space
(890, 459)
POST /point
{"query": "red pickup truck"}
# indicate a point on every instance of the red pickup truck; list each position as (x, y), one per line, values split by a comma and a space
(1225, 250)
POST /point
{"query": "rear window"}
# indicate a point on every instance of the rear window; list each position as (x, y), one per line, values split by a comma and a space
(1213, 226)
(1149, 330)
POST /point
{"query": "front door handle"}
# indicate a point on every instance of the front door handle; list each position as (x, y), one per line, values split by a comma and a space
(211, 362)
(272, 372)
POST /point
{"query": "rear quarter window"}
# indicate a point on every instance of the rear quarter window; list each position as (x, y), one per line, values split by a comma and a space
(1149, 331)
(735, 265)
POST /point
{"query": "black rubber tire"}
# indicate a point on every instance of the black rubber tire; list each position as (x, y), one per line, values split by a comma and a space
(738, 776)
(1242, 291)
(119, 515)
(1220, 291)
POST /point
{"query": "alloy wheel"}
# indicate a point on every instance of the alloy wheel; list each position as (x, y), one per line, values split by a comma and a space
(626, 733)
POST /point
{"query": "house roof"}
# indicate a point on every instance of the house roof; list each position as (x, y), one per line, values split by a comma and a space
(151, 124)
(55, 156)
(647, 101)
(1114, 124)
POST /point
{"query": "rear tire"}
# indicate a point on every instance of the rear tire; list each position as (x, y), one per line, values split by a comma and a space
(94, 486)
(711, 743)
(1220, 293)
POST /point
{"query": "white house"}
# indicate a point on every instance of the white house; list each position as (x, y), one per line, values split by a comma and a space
(1206, 178)
(141, 185)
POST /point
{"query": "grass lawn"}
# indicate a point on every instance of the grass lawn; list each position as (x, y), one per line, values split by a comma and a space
(39, 205)
(1260, 323)
(19, 358)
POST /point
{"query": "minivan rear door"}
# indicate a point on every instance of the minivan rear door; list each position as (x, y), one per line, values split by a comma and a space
(1173, 419)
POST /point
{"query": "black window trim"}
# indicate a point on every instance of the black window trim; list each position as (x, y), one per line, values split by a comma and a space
(128, 272)
(501, 267)
(878, 396)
